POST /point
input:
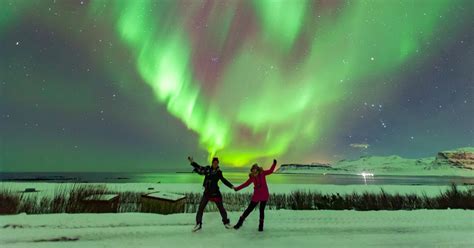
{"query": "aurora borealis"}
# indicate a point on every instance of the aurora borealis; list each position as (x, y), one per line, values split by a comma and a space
(136, 85)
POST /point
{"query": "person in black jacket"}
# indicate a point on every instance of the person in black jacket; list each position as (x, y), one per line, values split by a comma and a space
(212, 174)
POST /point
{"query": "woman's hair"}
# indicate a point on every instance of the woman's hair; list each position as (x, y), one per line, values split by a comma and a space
(259, 170)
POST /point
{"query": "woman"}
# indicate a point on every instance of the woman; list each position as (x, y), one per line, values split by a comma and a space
(260, 192)
(212, 175)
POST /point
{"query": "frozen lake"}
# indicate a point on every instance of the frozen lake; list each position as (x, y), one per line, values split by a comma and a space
(234, 177)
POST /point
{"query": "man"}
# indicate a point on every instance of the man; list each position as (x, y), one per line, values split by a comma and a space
(212, 174)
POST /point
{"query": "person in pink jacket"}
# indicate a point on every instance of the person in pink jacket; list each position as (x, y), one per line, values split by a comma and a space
(260, 192)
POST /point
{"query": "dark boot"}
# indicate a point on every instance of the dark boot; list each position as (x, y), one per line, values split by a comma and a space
(260, 226)
(239, 223)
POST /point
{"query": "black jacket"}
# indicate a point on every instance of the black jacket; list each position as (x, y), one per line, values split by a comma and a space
(211, 179)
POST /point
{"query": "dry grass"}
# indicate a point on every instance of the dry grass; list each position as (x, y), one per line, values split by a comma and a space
(71, 201)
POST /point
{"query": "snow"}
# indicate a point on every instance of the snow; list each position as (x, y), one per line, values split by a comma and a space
(391, 165)
(104, 197)
(283, 228)
(166, 196)
(45, 188)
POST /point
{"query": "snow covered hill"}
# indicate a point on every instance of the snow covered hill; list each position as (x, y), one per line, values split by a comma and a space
(459, 162)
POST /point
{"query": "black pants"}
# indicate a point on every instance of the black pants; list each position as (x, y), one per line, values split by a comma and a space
(202, 206)
(251, 206)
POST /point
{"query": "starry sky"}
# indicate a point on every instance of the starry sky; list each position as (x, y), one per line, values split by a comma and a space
(118, 85)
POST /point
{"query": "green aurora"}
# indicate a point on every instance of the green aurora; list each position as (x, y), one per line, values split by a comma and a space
(245, 98)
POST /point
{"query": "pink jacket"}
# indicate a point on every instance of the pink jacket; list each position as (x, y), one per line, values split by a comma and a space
(260, 188)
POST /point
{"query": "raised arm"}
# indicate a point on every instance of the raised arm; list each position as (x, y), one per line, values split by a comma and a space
(247, 183)
(271, 170)
(197, 168)
(225, 181)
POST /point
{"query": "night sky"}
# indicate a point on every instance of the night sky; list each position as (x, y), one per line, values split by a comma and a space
(140, 85)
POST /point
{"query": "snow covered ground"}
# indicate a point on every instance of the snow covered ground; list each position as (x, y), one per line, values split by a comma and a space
(51, 188)
(283, 228)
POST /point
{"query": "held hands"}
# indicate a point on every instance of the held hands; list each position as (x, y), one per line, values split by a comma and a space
(235, 189)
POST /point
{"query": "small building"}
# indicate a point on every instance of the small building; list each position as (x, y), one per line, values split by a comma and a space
(104, 203)
(163, 203)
